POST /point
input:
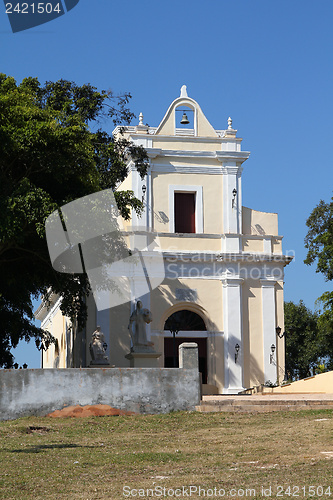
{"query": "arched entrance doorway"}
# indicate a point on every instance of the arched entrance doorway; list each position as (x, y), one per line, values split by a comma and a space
(191, 323)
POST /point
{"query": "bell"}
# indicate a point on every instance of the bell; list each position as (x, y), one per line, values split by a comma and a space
(184, 120)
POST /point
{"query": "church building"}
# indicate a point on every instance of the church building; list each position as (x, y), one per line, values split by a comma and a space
(222, 278)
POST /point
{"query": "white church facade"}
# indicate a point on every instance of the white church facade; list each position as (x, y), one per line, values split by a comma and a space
(223, 263)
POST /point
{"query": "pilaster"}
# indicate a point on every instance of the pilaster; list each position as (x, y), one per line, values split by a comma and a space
(232, 320)
(268, 329)
(149, 200)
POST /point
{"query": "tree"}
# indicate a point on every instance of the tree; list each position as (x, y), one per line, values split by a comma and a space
(319, 239)
(304, 344)
(325, 325)
(49, 156)
(319, 242)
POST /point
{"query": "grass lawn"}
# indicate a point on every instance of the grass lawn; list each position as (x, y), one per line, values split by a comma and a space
(122, 457)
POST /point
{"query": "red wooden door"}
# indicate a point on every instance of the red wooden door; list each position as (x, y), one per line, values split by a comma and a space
(184, 212)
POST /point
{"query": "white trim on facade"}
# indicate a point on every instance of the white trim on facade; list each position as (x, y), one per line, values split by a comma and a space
(189, 103)
(231, 205)
(233, 335)
(51, 313)
(222, 156)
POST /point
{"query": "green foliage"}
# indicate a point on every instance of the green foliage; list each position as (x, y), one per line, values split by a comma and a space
(48, 157)
(325, 325)
(319, 239)
(319, 242)
(304, 344)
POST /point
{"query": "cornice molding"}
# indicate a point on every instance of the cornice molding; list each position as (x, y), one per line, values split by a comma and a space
(191, 138)
(187, 169)
(136, 132)
(239, 156)
(227, 282)
(222, 156)
(247, 258)
(268, 282)
(154, 152)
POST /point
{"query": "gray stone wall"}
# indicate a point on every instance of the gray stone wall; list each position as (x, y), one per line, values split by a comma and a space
(142, 390)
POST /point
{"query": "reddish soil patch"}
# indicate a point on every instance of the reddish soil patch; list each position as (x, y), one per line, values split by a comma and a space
(89, 411)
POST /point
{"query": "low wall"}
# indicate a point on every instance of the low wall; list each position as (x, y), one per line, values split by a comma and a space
(321, 383)
(142, 390)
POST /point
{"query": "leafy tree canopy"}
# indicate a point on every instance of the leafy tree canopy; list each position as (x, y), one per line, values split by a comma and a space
(49, 156)
(325, 326)
(304, 346)
(319, 242)
(319, 239)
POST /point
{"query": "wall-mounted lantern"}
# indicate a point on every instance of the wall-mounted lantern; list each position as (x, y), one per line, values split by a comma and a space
(234, 194)
(237, 347)
(271, 357)
(144, 189)
(278, 332)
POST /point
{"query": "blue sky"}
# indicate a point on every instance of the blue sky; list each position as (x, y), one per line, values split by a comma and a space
(266, 63)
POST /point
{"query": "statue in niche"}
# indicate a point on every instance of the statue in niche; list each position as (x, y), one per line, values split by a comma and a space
(140, 317)
(98, 347)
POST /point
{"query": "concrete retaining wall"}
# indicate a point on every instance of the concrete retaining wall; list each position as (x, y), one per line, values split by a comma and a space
(142, 390)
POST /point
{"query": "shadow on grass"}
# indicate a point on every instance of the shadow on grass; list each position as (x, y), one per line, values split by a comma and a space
(44, 447)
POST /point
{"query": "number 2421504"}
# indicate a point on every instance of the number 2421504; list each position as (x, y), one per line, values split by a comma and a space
(32, 8)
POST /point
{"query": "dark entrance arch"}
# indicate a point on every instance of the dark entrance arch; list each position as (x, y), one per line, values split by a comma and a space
(185, 321)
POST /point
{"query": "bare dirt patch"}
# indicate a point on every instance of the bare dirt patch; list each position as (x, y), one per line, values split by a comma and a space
(88, 411)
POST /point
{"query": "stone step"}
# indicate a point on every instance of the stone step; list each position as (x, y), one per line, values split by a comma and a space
(260, 402)
(260, 408)
(265, 404)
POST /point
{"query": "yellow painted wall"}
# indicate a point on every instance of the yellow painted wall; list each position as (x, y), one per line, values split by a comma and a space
(246, 295)
(126, 185)
(252, 245)
(56, 357)
(187, 144)
(255, 222)
(255, 363)
(208, 305)
(322, 383)
(215, 361)
(212, 202)
(183, 162)
(187, 243)
(277, 245)
(280, 322)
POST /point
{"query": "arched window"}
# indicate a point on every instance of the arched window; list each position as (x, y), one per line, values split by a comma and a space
(185, 321)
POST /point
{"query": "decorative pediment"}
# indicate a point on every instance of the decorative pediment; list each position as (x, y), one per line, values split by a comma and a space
(199, 126)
